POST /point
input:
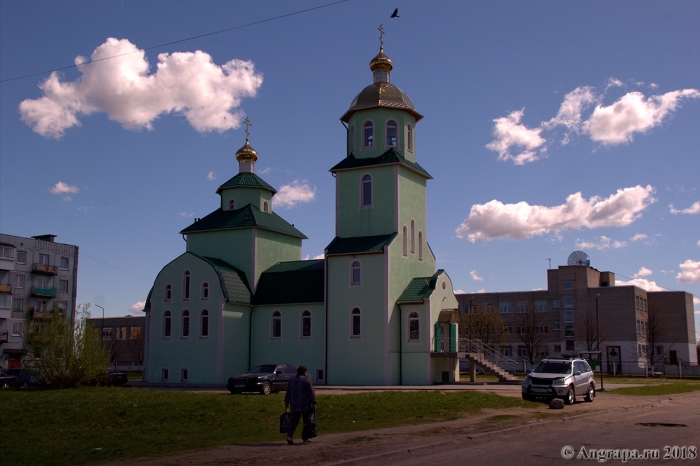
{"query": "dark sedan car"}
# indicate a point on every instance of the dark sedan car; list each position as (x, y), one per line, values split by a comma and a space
(27, 377)
(116, 378)
(263, 378)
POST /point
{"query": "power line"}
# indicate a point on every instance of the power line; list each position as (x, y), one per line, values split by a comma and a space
(178, 41)
(113, 266)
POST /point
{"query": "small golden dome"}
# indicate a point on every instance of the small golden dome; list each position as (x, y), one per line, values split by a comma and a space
(246, 153)
(381, 62)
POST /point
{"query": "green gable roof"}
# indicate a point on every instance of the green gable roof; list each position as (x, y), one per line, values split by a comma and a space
(245, 217)
(246, 180)
(291, 282)
(359, 244)
(233, 281)
(419, 289)
(392, 156)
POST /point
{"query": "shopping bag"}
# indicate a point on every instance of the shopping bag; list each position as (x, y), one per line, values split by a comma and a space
(309, 430)
(285, 421)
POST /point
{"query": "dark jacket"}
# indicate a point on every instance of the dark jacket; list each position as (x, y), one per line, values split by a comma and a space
(300, 393)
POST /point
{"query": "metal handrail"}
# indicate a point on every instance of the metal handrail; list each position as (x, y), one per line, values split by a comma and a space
(490, 354)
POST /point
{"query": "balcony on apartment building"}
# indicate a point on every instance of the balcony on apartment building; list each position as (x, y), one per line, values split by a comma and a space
(43, 292)
(6, 289)
(3, 337)
(44, 269)
(42, 314)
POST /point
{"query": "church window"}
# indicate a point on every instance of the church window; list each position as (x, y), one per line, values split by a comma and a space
(392, 133)
(306, 324)
(405, 241)
(413, 236)
(368, 134)
(266, 207)
(351, 144)
(231, 204)
(204, 324)
(168, 292)
(420, 245)
(185, 324)
(356, 324)
(366, 191)
(167, 324)
(409, 138)
(356, 273)
(186, 286)
(205, 290)
(276, 325)
(413, 327)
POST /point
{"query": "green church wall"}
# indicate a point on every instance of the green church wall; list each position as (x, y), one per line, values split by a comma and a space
(236, 343)
(231, 246)
(366, 221)
(379, 117)
(244, 196)
(272, 247)
(291, 347)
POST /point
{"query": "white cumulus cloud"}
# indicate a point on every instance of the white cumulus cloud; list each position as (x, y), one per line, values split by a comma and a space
(186, 83)
(690, 272)
(574, 103)
(475, 276)
(63, 188)
(522, 220)
(693, 209)
(138, 307)
(211, 176)
(510, 133)
(633, 113)
(639, 237)
(186, 214)
(291, 194)
(641, 283)
(643, 272)
(603, 242)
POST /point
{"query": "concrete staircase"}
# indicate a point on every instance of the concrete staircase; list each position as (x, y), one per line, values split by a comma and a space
(489, 367)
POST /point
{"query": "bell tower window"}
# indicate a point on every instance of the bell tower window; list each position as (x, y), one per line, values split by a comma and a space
(266, 207)
(409, 138)
(392, 133)
(231, 204)
(368, 134)
(366, 191)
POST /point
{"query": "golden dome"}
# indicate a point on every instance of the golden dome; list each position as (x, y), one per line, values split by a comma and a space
(381, 62)
(246, 153)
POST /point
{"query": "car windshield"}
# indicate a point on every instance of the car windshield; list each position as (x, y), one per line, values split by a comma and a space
(263, 369)
(554, 367)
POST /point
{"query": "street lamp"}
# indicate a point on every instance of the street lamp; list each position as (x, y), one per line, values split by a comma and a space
(102, 327)
(597, 338)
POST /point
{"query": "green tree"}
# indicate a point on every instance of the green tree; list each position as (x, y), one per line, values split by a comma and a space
(532, 331)
(68, 355)
(483, 324)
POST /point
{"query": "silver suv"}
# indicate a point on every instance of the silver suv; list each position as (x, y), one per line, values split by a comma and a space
(560, 378)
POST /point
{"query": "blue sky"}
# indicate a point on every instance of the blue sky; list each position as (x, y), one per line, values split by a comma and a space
(549, 127)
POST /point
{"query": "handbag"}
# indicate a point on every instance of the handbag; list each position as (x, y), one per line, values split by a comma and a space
(309, 430)
(285, 421)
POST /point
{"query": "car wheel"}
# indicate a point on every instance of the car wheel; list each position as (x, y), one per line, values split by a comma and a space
(266, 388)
(527, 397)
(590, 395)
(570, 396)
(25, 384)
(5, 385)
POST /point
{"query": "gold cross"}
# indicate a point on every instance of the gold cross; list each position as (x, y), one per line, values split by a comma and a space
(247, 123)
(381, 33)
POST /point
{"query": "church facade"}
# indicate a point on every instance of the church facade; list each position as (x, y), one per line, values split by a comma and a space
(374, 311)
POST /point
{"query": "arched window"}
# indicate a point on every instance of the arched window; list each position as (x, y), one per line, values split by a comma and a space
(204, 323)
(368, 134)
(167, 324)
(231, 204)
(185, 324)
(413, 327)
(356, 273)
(392, 134)
(266, 207)
(276, 325)
(366, 190)
(205, 290)
(409, 138)
(306, 324)
(351, 144)
(356, 323)
(168, 292)
(413, 236)
(186, 285)
(404, 239)
(420, 245)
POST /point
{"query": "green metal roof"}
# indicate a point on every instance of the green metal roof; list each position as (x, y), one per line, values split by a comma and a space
(246, 180)
(245, 217)
(359, 244)
(392, 156)
(233, 281)
(291, 282)
(419, 289)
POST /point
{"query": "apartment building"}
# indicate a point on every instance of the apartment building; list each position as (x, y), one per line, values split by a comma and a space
(638, 329)
(123, 337)
(37, 276)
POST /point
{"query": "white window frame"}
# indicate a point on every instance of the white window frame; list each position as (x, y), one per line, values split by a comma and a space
(186, 284)
(167, 333)
(45, 259)
(364, 134)
(61, 287)
(61, 260)
(7, 252)
(231, 204)
(275, 316)
(320, 376)
(17, 329)
(356, 265)
(184, 374)
(266, 207)
(107, 333)
(564, 302)
(185, 315)
(203, 314)
(305, 314)
(21, 304)
(366, 179)
(505, 307)
(420, 245)
(164, 374)
(413, 318)
(386, 133)
(409, 137)
(24, 255)
(354, 314)
(567, 285)
(541, 305)
(522, 307)
(404, 241)
(121, 332)
(204, 291)
(413, 236)
(168, 292)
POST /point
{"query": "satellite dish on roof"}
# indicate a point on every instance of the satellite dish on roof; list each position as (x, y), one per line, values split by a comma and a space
(579, 258)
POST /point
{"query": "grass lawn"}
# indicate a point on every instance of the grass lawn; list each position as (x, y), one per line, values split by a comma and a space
(666, 387)
(57, 427)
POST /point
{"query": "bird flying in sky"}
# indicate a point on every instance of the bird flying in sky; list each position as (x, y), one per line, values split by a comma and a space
(395, 14)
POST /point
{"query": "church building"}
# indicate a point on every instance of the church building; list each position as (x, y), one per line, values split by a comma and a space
(373, 311)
